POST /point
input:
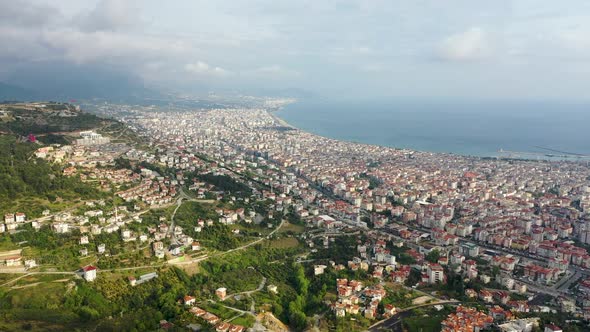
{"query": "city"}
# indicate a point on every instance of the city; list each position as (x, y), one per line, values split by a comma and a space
(506, 236)
(294, 166)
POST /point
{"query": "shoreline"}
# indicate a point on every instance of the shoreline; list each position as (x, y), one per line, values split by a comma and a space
(281, 121)
(284, 123)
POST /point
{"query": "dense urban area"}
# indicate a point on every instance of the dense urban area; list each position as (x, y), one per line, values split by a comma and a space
(143, 218)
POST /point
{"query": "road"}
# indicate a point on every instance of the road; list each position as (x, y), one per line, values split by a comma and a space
(26, 274)
(559, 289)
(241, 312)
(205, 257)
(394, 323)
(171, 228)
(248, 293)
(181, 196)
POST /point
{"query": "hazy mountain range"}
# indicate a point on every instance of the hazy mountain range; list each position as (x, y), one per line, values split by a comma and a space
(64, 81)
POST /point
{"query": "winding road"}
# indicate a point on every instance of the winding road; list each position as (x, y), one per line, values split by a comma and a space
(394, 323)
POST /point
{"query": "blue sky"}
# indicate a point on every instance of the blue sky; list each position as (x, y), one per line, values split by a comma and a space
(501, 49)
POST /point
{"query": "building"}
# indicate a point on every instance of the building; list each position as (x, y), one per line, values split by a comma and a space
(144, 278)
(91, 138)
(20, 217)
(89, 273)
(9, 218)
(469, 249)
(435, 273)
(196, 246)
(466, 320)
(13, 261)
(552, 328)
(221, 293)
(189, 300)
(30, 263)
(319, 269)
(520, 325)
(272, 289)
(61, 227)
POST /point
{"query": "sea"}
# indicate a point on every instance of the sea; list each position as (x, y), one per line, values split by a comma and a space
(530, 129)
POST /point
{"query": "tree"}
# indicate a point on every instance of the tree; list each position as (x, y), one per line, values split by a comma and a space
(433, 256)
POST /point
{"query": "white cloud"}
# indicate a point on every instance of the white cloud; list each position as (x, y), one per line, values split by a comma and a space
(19, 12)
(364, 50)
(472, 44)
(276, 71)
(203, 69)
(373, 68)
(110, 15)
(82, 47)
(577, 40)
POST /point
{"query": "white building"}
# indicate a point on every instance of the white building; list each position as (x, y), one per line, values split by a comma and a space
(89, 273)
(318, 269)
(61, 227)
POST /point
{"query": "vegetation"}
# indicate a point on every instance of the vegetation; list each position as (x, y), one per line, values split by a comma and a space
(22, 176)
(217, 236)
(340, 251)
(222, 183)
(433, 256)
(425, 320)
(44, 121)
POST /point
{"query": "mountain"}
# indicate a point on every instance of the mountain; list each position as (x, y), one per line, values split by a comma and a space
(12, 92)
(64, 81)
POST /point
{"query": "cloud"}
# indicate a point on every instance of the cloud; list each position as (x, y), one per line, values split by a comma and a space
(275, 71)
(472, 44)
(203, 69)
(18, 12)
(81, 46)
(576, 40)
(110, 15)
(373, 68)
(364, 50)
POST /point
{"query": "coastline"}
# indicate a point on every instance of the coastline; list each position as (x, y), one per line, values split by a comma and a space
(540, 158)
(284, 123)
(281, 121)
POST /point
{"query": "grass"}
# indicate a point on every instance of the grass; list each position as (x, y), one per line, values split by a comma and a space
(423, 324)
(50, 295)
(264, 300)
(288, 242)
(6, 244)
(245, 320)
(36, 205)
(430, 321)
(190, 269)
(6, 277)
(40, 278)
(218, 310)
(31, 325)
(289, 227)
(238, 280)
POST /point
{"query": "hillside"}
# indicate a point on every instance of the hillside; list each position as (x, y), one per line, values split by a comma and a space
(29, 184)
(53, 122)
